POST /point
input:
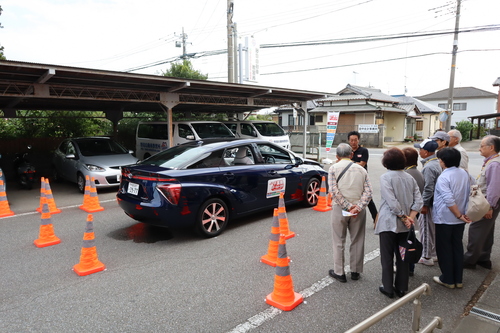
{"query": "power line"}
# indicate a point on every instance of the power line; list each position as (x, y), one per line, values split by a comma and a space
(326, 42)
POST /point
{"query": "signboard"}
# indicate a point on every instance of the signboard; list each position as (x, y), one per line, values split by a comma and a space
(275, 187)
(331, 128)
(370, 128)
(252, 59)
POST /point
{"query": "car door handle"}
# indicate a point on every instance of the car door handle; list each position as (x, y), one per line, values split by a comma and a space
(272, 172)
(229, 175)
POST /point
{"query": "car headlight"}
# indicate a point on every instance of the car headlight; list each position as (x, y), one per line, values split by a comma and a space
(94, 168)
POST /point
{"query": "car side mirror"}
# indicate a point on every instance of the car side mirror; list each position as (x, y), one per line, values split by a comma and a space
(190, 137)
(71, 157)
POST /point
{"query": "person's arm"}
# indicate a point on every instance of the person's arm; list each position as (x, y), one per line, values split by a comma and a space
(365, 197)
(493, 184)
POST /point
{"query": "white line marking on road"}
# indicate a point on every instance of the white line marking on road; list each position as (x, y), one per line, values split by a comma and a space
(35, 212)
(271, 312)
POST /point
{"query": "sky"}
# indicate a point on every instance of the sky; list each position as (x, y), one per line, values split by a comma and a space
(120, 35)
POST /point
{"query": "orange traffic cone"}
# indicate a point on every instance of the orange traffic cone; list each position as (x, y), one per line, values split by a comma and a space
(89, 263)
(42, 194)
(47, 192)
(283, 219)
(46, 236)
(92, 204)
(322, 205)
(86, 194)
(272, 250)
(4, 204)
(283, 296)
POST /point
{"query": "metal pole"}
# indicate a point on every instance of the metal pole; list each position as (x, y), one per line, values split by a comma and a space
(235, 53)
(447, 125)
(183, 44)
(230, 42)
(240, 63)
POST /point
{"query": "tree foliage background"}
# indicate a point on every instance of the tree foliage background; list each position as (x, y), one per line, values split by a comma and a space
(184, 70)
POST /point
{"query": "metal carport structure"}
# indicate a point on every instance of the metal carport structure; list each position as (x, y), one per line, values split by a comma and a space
(30, 86)
(482, 117)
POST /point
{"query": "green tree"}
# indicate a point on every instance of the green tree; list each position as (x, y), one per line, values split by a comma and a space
(464, 127)
(44, 124)
(184, 70)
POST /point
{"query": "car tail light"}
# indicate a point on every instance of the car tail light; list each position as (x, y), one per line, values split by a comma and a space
(171, 192)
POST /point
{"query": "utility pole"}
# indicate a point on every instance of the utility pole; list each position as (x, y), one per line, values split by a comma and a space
(182, 43)
(230, 42)
(447, 124)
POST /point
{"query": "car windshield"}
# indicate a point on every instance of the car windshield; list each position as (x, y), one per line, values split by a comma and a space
(177, 157)
(96, 147)
(269, 129)
(212, 130)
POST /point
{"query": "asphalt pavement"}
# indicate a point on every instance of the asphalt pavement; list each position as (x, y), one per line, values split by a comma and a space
(175, 284)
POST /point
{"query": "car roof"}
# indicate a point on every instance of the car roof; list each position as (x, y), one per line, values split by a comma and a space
(217, 143)
(90, 138)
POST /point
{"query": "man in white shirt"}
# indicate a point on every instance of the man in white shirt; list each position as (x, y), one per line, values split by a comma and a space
(455, 139)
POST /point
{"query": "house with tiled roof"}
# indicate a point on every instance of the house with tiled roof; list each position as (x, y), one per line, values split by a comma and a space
(364, 108)
(467, 102)
(423, 117)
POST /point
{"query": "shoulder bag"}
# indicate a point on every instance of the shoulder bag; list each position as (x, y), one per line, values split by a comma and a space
(411, 250)
(478, 206)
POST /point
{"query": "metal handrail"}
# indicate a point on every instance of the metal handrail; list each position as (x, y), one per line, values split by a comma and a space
(414, 296)
(304, 151)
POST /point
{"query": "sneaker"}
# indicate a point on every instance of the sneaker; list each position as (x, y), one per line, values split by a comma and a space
(340, 278)
(438, 281)
(427, 262)
(459, 285)
(435, 259)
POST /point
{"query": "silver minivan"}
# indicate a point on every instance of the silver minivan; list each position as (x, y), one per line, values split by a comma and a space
(260, 129)
(152, 136)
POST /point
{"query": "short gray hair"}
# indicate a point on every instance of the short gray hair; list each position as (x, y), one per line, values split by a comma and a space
(344, 150)
(456, 134)
(493, 140)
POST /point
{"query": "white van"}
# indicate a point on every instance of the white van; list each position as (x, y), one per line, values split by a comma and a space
(152, 136)
(264, 130)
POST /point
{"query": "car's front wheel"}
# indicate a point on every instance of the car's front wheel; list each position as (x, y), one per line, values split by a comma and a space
(212, 218)
(80, 181)
(312, 192)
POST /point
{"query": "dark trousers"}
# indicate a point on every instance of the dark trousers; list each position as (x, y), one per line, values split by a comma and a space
(480, 239)
(450, 252)
(389, 248)
(373, 209)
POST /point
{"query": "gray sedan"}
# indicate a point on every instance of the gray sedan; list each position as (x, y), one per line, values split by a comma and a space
(97, 157)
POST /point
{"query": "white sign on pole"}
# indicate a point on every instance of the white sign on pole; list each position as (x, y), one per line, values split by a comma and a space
(370, 128)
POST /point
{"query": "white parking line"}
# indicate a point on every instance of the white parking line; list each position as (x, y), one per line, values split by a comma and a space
(272, 312)
(35, 212)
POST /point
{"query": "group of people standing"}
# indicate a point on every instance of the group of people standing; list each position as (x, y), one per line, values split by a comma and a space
(433, 200)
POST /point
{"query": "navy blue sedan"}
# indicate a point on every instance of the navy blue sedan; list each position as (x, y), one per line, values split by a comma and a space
(204, 185)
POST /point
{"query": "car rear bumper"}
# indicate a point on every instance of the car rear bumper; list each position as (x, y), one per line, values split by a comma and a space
(157, 212)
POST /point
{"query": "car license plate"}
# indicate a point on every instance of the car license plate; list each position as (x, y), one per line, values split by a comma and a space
(133, 188)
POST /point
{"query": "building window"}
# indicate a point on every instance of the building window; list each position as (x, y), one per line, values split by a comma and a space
(311, 120)
(318, 118)
(420, 125)
(443, 106)
(459, 106)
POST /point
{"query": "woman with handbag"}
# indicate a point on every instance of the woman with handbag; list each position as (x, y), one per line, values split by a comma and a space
(401, 201)
(451, 197)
